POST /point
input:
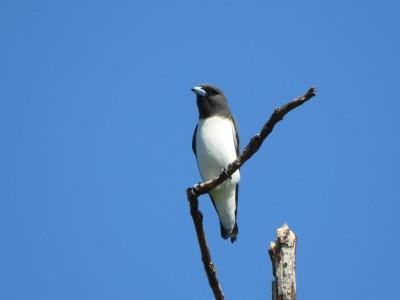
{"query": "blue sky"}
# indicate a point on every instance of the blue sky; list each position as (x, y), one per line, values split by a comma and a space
(96, 122)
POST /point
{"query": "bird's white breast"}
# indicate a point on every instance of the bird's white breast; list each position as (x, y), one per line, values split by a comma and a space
(215, 147)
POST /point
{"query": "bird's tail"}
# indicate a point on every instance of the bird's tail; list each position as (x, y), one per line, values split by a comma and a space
(229, 233)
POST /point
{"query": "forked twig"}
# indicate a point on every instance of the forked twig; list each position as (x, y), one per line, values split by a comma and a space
(206, 186)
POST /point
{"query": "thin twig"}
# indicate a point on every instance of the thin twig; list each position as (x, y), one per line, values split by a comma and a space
(206, 186)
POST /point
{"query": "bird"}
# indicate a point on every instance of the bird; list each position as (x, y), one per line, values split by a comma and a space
(215, 144)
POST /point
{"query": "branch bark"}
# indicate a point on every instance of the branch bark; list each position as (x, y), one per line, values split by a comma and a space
(209, 266)
(206, 186)
(283, 257)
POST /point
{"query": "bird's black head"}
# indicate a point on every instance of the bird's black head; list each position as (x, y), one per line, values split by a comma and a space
(211, 101)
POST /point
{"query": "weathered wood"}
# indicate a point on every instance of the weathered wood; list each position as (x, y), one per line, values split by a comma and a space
(283, 256)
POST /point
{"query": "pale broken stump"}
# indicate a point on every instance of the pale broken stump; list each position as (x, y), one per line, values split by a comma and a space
(283, 257)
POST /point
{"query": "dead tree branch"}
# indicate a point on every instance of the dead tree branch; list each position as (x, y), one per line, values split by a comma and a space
(254, 144)
(206, 186)
(283, 258)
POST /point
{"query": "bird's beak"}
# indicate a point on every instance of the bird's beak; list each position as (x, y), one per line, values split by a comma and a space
(199, 91)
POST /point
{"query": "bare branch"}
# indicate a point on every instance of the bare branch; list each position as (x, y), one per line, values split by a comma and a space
(206, 186)
(254, 144)
(209, 266)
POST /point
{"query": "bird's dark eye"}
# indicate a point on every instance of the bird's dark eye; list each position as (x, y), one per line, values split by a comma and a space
(211, 91)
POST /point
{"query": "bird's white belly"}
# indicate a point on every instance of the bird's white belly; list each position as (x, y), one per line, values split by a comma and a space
(215, 147)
